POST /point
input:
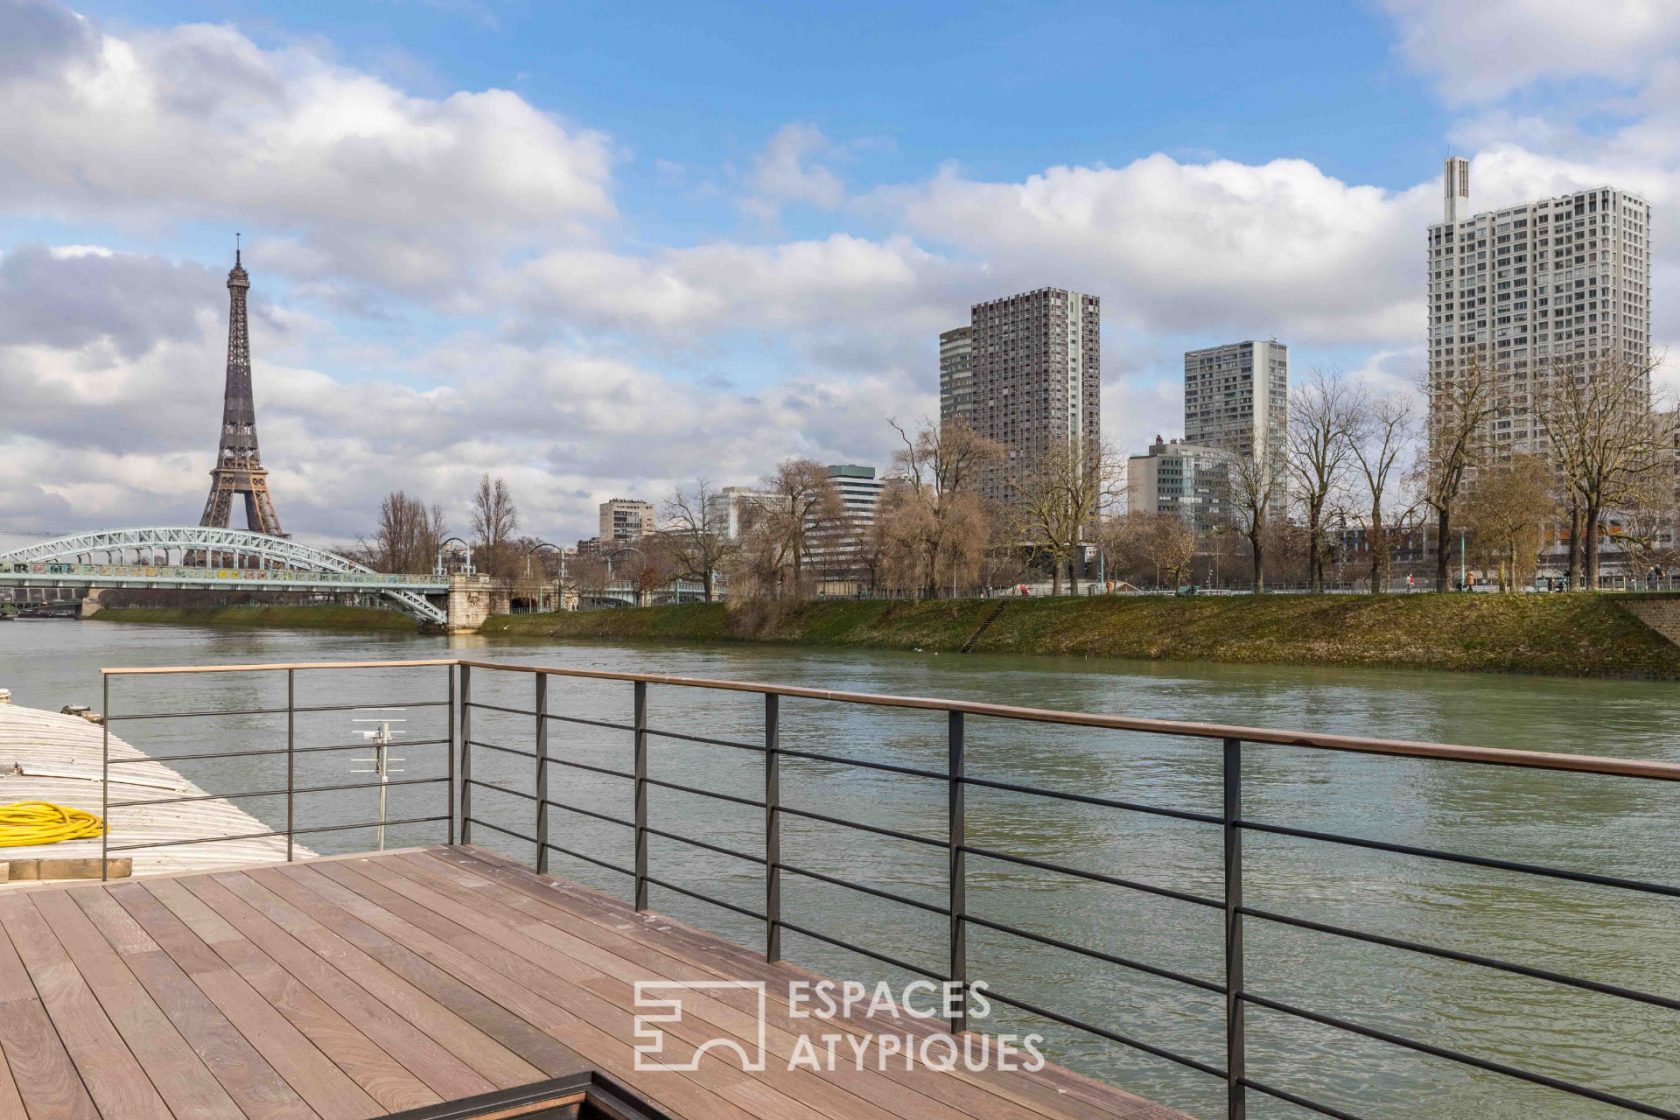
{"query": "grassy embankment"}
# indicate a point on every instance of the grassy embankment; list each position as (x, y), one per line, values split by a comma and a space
(282, 617)
(1572, 635)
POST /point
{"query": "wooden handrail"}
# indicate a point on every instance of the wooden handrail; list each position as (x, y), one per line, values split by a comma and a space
(1492, 756)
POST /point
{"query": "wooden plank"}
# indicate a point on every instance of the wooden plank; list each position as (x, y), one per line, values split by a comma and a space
(26, 870)
(893, 1092)
(495, 1062)
(310, 1073)
(441, 1071)
(175, 1069)
(549, 972)
(519, 1036)
(112, 1075)
(11, 1103)
(586, 1031)
(255, 1085)
(15, 984)
(1054, 1091)
(379, 1075)
(46, 1077)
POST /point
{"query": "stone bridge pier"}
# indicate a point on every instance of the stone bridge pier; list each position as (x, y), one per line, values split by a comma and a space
(473, 599)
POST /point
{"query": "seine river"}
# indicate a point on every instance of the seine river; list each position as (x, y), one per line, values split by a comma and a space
(1608, 826)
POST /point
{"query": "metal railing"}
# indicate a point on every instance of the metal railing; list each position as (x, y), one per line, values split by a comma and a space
(1233, 986)
(291, 752)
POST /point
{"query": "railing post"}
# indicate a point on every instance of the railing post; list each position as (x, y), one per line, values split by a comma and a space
(449, 751)
(1236, 1106)
(956, 871)
(105, 778)
(641, 771)
(772, 828)
(542, 773)
(291, 760)
(466, 754)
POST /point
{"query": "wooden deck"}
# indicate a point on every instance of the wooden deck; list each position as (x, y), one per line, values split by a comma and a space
(374, 985)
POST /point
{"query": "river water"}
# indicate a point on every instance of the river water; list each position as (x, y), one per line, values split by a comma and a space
(1611, 826)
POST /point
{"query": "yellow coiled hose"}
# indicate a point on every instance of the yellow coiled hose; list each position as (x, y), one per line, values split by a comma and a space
(41, 822)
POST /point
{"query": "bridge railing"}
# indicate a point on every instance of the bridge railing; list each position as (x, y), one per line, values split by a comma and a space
(495, 723)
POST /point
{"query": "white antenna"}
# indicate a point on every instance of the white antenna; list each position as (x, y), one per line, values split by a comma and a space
(381, 737)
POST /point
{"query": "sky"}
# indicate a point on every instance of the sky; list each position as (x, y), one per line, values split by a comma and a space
(606, 249)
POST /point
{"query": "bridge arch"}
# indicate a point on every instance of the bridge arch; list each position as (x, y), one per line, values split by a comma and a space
(287, 561)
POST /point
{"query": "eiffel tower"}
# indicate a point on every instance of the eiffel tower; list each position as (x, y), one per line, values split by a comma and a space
(239, 469)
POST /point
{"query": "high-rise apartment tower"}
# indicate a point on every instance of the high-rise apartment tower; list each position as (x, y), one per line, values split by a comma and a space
(1525, 289)
(1236, 397)
(956, 376)
(1036, 370)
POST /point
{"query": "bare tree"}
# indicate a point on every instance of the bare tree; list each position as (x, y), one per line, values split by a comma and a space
(806, 501)
(495, 519)
(1505, 513)
(1163, 542)
(1381, 430)
(408, 535)
(932, 524)
(1460, 407)
(1056, 500)
(1605, 438)
(1322, 413)
(697, 535)
(1256, 487)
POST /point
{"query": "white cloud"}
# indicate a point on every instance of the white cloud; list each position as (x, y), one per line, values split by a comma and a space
(1219, 247)
(199, 122)
(1490, 48)
(785, 171)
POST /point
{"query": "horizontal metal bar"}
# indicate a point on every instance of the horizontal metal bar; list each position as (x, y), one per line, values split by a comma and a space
(1102, 1032)
(607, 770)
(197, 715)
(718, 848)
(267, 752)
(480, 706)
(1090, 799)
(372, 705)
(591, 722)
(590, 813)
(194, 840)
(1098, 954)
(1473, 861)
(1466, 958)
(368, 824)
(742, 910)
(1494, 756)
(565, 851)
(500, 789)
(1299, 1101)
(273, 792)
(1096, 877)
(168, 670)
(503, 831)
(890, 896)
(913, 771)
(278, 835)
(875, 828)
(1460, 1057)
(704, 792)
(756, 747)
(1271, 736)
(504, 750)
(861, 951)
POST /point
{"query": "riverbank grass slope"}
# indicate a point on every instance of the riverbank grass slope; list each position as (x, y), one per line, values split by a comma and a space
(312, 617)
(1568, 635)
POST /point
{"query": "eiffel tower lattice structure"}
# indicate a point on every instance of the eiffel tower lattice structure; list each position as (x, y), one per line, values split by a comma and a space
(239, 471)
